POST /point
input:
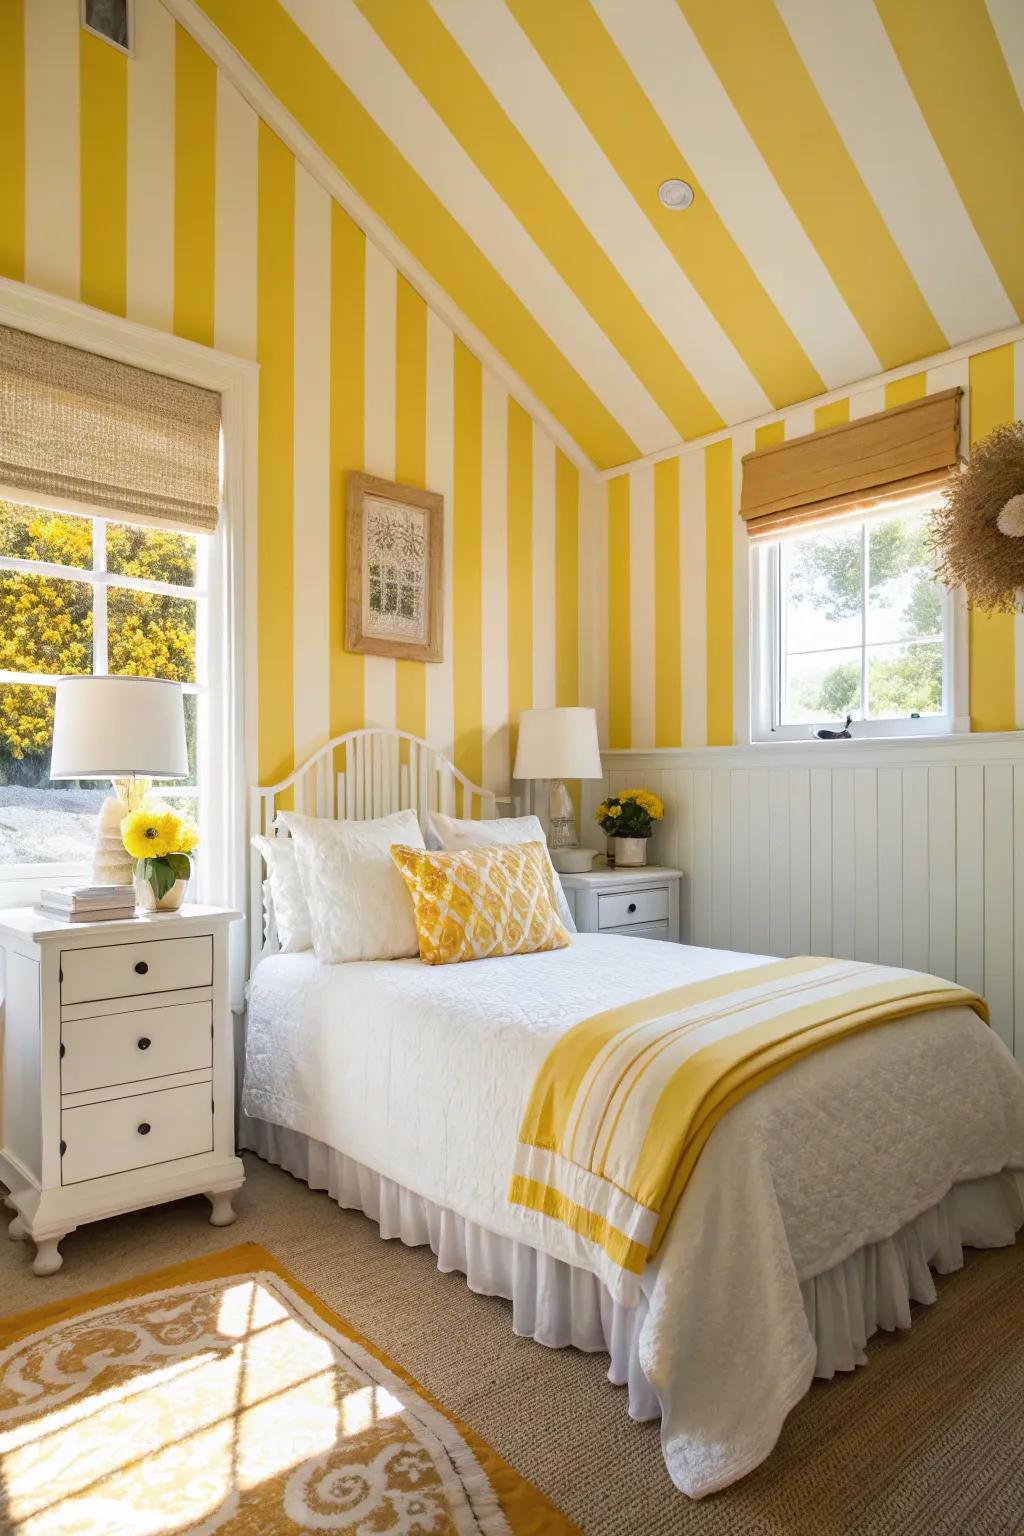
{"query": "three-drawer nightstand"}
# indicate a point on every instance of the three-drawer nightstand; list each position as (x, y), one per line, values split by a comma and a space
(118, 1074)
(643, 903)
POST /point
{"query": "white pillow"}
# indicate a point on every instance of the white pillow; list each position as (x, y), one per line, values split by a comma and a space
(456, 836)
(287, 905)
(359, 905)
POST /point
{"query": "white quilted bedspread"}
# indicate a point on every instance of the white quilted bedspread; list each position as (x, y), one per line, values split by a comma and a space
(422, 1074)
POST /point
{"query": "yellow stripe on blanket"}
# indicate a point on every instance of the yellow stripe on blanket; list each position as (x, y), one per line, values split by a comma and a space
(625, 1101)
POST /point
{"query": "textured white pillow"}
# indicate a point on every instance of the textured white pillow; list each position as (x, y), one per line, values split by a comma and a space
(287, 904)
(456, 836)
(359, 905)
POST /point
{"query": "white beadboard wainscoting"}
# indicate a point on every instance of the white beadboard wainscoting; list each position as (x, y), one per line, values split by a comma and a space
(908, 853)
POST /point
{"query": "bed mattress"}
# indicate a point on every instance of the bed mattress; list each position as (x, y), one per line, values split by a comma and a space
(421, 1074)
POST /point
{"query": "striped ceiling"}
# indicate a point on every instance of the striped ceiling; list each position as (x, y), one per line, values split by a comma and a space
(858, 168)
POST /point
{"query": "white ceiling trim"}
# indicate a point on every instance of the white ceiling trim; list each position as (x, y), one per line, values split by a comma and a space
(803, 410)
(309, 155)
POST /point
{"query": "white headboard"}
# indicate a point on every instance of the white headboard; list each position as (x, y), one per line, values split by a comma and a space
(353, 778)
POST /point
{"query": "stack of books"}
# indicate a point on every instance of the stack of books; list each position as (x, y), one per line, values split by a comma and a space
(87, 903)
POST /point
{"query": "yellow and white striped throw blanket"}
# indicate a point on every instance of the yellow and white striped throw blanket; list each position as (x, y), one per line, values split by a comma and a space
(625, 1101)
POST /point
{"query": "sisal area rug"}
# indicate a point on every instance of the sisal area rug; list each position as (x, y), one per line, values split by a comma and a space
(220, 1395)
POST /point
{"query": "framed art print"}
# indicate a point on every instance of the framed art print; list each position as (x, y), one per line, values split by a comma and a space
(394, 565)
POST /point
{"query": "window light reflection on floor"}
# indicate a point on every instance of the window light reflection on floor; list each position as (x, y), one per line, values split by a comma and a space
(166, 1448)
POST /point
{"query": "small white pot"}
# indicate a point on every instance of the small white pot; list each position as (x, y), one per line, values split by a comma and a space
(629, 852)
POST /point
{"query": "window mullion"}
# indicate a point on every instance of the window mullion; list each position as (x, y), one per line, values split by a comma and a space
(864, 622)
(45, 568)
(99, 597)
(780, 640)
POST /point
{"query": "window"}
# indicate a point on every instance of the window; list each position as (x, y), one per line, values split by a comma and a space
(82, 594)
(848, 619)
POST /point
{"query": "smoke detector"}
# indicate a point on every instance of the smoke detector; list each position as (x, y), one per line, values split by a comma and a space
(675, 194)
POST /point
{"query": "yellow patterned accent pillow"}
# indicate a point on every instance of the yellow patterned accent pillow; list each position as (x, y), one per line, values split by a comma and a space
(481, 902)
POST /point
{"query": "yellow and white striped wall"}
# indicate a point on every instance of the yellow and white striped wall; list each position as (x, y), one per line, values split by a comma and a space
(854, 164)
(150, 188)
(669, 553)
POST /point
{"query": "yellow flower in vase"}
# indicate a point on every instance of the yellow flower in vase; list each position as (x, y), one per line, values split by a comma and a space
(150, 832)
(161, 843)
(189, 838)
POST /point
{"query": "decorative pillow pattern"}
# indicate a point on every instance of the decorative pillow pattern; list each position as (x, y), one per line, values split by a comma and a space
(482, 902)
(287, 909)
(359, 906)
(454, 835)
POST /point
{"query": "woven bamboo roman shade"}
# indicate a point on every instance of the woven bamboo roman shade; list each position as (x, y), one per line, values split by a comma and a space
(86, 428)
(912, 447)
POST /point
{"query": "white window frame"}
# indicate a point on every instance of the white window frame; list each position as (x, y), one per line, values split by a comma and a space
(100, 579)
(766, 620)
(227, 745)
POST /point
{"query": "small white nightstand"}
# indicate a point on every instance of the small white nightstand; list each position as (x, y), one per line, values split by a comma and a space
(118, 1078)
(643, 903)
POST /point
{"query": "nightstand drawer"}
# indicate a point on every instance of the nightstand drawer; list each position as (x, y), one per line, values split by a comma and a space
(132, 970)
(625, 908)
(642, 931)
(147, 1128)
(126, 1047)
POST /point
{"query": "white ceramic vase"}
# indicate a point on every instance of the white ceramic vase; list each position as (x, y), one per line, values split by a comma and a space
(149, 901)
(629, 852)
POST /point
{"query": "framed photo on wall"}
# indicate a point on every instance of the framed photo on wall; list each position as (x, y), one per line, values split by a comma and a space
(394, 570)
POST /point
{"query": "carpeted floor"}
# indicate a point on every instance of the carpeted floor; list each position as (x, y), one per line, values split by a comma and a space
(928, 1440)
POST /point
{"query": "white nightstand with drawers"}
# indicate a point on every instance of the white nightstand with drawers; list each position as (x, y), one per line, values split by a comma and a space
(118, 1076)
(643, 903)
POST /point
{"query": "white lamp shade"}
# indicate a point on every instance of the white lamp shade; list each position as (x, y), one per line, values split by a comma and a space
(558, 744)
(113, 727)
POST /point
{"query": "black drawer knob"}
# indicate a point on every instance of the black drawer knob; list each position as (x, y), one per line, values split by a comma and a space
(63, 1148)
(145, 1043)
(141, 968)
(145, 1128)
(63, 1050)
(631, 907)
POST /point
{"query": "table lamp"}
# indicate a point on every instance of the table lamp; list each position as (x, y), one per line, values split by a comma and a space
(126, 729)
(558, 744)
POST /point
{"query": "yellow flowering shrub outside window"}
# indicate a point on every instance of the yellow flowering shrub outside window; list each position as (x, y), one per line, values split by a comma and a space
(81, 595)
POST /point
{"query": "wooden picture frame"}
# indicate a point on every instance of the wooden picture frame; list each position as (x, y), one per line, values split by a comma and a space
(394, 570)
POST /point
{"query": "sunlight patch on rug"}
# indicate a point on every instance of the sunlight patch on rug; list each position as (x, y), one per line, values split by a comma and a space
(230, 1404)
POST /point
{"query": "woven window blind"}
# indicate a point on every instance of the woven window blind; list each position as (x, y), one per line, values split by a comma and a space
(86, 428)
(912, 447)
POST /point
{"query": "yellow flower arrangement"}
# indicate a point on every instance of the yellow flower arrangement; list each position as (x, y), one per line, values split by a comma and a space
(161, 842)
(630, 813)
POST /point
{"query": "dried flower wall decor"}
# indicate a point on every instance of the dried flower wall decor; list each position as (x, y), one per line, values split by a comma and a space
(977, 532)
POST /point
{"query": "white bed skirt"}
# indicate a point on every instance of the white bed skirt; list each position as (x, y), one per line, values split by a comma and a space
(557, 1304)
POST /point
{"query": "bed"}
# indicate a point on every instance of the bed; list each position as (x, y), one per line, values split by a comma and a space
(816, 1214)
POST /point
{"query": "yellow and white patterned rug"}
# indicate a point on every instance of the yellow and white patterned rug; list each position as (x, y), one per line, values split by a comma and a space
(220, 1395)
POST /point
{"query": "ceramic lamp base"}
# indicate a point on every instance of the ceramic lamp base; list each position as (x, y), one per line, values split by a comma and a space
(111, 864)
(573, 861)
